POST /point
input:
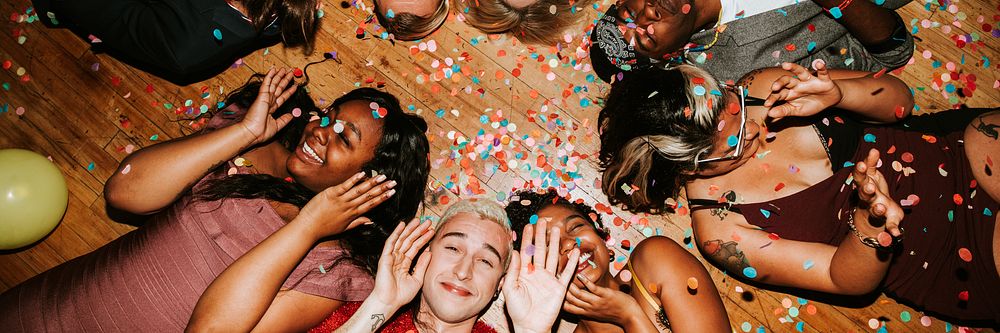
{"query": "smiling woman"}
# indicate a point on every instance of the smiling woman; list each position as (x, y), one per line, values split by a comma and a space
(227, 195)
(663, 299)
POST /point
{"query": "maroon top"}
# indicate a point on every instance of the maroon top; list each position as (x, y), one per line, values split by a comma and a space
(926, 271)
(150, 279)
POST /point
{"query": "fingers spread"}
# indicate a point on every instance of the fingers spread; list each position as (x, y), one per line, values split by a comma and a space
(552, 257)
(567, 273)
(538, 258)
(390, 243)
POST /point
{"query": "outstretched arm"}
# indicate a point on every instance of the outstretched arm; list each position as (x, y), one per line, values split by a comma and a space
(154, 177)
(247, 296)
(850, 268)
(795, 91)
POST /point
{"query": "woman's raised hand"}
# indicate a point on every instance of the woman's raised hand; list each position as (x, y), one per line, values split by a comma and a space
(274, 91)
(803, 93)
(533, 291)
(395, 285)
(876, 204)
(340, 207)
(603, 304)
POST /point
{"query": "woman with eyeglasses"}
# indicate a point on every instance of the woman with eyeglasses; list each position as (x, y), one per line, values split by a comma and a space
(812, 180)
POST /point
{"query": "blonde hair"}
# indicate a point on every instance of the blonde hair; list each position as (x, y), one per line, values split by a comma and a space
(534, 23)
(408, 27)
(487, 210)
(651, 132)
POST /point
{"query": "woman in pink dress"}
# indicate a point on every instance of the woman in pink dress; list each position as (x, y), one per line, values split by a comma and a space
(219, 193)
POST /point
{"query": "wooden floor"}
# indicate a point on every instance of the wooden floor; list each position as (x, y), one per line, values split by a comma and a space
(89, 111)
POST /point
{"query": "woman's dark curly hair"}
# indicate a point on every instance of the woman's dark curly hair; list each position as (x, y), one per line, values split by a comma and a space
(525, 203)
(401, 155)
(652, 127)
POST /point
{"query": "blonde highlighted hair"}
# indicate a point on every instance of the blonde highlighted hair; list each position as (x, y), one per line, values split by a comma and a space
(408, 27)
(652, 126)
(485, 209)
(534, 23)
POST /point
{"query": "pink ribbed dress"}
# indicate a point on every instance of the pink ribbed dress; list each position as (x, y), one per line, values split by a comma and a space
(150, 279)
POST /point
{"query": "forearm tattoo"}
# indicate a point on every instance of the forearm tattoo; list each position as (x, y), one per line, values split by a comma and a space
(377, 320)
(727, 254)
(990, 130)
(747, 80)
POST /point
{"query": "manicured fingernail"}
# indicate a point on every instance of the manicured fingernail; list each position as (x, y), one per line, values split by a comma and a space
(390, 193)
(391, 184)
(380, 178)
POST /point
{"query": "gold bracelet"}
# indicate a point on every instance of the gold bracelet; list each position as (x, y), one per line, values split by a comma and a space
(871, 242)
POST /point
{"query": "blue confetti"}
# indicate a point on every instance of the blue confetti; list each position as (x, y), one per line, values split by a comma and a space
(390, 14)
(835, 12)
(879, 2)
(732, 141)
(699, 90)
(217, 33)
(799, 326)
(324, 122)
(807, 265)
(91, 166)
(750, 272)
(766, 213)
(811, 46)
(987, 212)
(533, 219)
(870, 138)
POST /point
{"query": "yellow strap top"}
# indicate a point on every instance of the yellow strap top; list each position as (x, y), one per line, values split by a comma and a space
(642, 288)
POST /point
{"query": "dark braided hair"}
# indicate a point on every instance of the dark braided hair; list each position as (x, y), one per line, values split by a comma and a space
(525, 203)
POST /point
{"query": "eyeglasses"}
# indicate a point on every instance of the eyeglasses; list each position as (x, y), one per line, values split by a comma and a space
(736, 141)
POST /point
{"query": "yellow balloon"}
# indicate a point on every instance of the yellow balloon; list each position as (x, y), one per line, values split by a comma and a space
(32, 197)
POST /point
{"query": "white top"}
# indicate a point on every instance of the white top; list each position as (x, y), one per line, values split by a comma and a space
(733, 10)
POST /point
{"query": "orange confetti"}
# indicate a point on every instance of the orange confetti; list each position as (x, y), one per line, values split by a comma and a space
(692, 283)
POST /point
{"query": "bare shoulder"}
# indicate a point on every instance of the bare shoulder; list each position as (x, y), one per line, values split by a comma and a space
(659, 254)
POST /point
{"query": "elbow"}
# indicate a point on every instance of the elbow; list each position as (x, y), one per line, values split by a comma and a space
(854, 287)
(118, 197)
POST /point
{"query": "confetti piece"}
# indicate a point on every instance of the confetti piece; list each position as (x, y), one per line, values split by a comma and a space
(779, 187)
(807, 264)
(389, 13)
(926, 321)
(625, 275)
(884, 238)
(686, 8)
(872, 323)
(965, 254)
(127, 169)
(692, 283)
(154, 137)
(964, 296)
(91, 166)
(338, 127)
(699, 90)
(750, 272)
(766, 213)
(533, 219)
(835, 12)
(322, 269)
(218, 34)
(296, 112)
(870, 138)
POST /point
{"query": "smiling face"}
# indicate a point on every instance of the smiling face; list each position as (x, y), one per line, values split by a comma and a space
(575, 227)
(326, 158)
(661, 26)
(466, 268)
